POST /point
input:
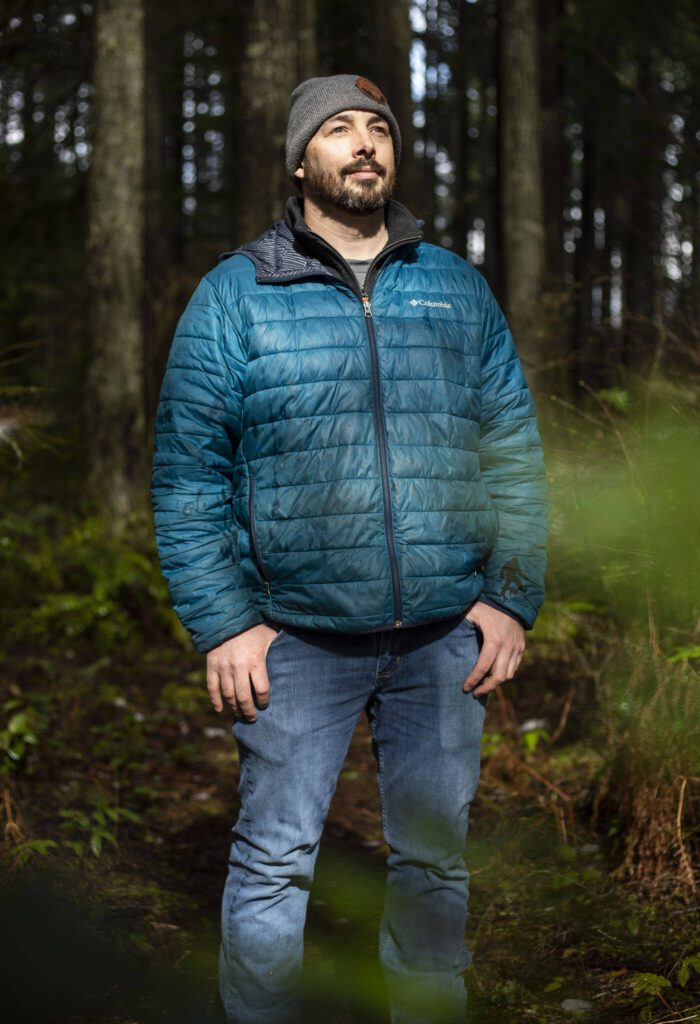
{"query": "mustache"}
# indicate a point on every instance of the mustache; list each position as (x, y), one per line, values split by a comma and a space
(364, 165)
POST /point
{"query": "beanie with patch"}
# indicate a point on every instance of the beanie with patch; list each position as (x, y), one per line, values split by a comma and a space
(317, 99)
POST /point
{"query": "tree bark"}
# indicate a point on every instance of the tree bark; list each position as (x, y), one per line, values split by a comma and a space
(164, 250)
(551, 13)
(645, 195)
(522, 201)
(115, 418)
(307, 41)
(394, 79)
(268, 73)
(463, 209)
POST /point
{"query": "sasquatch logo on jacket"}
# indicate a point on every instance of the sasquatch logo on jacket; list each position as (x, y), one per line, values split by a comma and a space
(345, 465)
(512, 577)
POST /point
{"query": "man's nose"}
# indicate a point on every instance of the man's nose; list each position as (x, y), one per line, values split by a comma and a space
(364, 144)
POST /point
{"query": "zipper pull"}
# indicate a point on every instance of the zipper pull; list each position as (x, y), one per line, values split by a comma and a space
(366, 304)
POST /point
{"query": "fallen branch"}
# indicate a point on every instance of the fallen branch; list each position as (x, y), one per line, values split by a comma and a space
(686, 866)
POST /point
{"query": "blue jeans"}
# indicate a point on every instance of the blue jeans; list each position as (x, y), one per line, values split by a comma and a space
(426, 735)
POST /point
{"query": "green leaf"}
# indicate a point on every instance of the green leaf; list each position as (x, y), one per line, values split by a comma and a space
(16, 750)
(42, 846)
(689, 963)
(649, 984)
(554, 984)
(532, 737)
(618, 398)
(75, 845)
(18, 722)
(685, 654)
(128, 815)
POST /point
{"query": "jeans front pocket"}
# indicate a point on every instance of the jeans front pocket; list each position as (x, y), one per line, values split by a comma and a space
(280, 635)
(465, 627)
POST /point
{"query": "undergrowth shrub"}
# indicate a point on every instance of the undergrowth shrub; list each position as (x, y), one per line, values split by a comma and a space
(67, 580)
(626, 538)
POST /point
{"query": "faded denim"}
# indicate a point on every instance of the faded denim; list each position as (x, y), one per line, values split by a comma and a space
(426, 735)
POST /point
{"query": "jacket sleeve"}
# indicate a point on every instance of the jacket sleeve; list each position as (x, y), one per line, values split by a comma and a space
(512, 468)
(197, 430)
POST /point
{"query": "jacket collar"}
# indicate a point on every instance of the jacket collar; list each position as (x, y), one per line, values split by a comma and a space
(289, 250)
(401, 226)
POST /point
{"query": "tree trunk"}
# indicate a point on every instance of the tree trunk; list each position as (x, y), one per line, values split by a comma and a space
(645, 192)
(394, 79)
(268, 74)
(162, 189)
(488, 207)
(522, 202)
(307, 41)
(553, 153)
(430, 132)
(463, 209)
(115, 383)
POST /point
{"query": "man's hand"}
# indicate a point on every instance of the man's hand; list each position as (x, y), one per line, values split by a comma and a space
(504, 643)
(236, 665)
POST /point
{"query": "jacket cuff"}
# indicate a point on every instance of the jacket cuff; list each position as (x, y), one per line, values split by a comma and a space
(501, 608)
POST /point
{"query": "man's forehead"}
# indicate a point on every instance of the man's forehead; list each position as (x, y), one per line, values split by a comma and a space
(351, 115)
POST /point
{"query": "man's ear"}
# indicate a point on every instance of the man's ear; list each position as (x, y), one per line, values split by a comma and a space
(299, 173)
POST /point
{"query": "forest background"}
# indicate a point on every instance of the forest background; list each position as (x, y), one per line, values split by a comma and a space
(554, 144)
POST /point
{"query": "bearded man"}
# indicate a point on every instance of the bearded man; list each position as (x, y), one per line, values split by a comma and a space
(350, 508)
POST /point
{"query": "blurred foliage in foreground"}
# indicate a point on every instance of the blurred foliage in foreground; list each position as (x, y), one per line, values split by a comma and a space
(625, 500)
(626, 545)
(70, 582)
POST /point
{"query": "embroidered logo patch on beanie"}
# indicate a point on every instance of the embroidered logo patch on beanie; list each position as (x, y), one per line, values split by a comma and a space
(371, 90)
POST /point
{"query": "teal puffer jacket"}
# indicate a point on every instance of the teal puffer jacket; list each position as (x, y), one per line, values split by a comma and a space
(345, 462)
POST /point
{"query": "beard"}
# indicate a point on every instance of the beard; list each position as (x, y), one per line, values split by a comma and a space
(353, 195)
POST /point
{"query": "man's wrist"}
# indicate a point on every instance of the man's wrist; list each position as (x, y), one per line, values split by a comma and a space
(501, 608)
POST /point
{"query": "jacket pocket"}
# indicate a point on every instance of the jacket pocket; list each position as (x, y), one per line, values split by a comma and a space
(253, 534)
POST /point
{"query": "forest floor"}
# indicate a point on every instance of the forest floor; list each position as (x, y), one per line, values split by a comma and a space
(135, 772)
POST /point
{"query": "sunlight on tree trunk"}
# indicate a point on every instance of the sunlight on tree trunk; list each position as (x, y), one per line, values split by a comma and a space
(268, 70)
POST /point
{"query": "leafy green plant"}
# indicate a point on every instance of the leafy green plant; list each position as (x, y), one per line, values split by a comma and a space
(94, 827)
(649, 984)
(29, 849)
(531, 737)
(20, 728)
(689, 964)
(73, 580)
(490, 743)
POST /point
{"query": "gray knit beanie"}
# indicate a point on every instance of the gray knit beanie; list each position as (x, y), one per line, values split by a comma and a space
(317, 99)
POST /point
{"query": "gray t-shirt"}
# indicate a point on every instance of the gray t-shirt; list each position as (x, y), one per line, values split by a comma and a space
(359, 269)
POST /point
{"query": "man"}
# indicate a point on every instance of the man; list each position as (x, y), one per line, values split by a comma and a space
(350, 509)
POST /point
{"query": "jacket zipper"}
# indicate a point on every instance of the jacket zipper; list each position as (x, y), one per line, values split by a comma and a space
(253, 536)
(383, 462)
(378, 415)
(381, 433)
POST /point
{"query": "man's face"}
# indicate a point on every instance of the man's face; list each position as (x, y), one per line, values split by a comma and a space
(349, 162)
